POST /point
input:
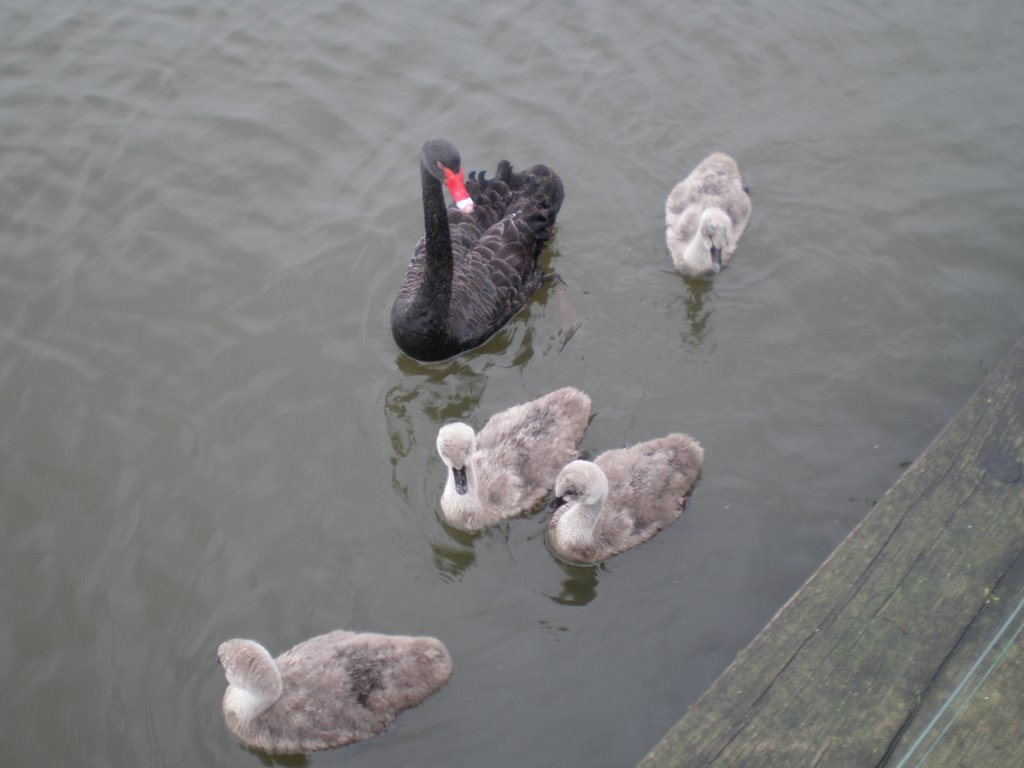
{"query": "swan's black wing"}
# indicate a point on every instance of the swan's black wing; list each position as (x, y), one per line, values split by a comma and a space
(495, 255)
(496, 248)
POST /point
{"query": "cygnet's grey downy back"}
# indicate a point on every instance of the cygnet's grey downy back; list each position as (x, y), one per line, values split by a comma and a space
(622, 498)
(511, 464)
(705, 215)
(331, 690)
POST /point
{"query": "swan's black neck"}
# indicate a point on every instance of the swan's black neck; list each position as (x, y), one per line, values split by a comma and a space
(437, 282)
(421, 323)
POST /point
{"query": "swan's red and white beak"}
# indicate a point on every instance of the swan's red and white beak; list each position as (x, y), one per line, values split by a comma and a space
(455, 184)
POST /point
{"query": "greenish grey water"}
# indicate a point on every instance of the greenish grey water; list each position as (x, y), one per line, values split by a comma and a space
(207, 432)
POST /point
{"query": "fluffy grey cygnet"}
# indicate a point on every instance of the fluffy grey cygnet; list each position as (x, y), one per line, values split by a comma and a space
(327, 691)
(705, 214)
(511, 464)
(623, 497)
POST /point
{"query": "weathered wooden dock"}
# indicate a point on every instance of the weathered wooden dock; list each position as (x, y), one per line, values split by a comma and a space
(905, 648)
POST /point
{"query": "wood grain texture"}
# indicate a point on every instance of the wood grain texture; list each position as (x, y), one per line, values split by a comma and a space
(854, 669)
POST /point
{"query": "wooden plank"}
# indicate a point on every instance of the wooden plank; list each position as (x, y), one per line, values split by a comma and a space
(975, 719)
(854, 668)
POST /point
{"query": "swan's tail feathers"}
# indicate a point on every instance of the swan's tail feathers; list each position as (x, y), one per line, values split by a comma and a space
(505, 174)
(475, 183)
(545, 187)
(494, 189)
(540, 184)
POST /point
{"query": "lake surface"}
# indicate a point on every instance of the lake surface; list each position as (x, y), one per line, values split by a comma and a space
(207, 431)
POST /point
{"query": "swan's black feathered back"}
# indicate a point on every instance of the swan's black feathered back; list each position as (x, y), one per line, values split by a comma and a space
(495, 264)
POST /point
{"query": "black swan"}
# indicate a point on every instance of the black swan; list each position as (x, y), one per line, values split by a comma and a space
(478, 262)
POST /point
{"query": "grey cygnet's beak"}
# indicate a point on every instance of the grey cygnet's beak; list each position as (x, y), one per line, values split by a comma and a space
(459, 475)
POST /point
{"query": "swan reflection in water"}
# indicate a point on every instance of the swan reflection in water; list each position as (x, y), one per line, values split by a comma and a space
(579, 586)
(454, 553)
(697, 305)
(301, 760)
(425, 397)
